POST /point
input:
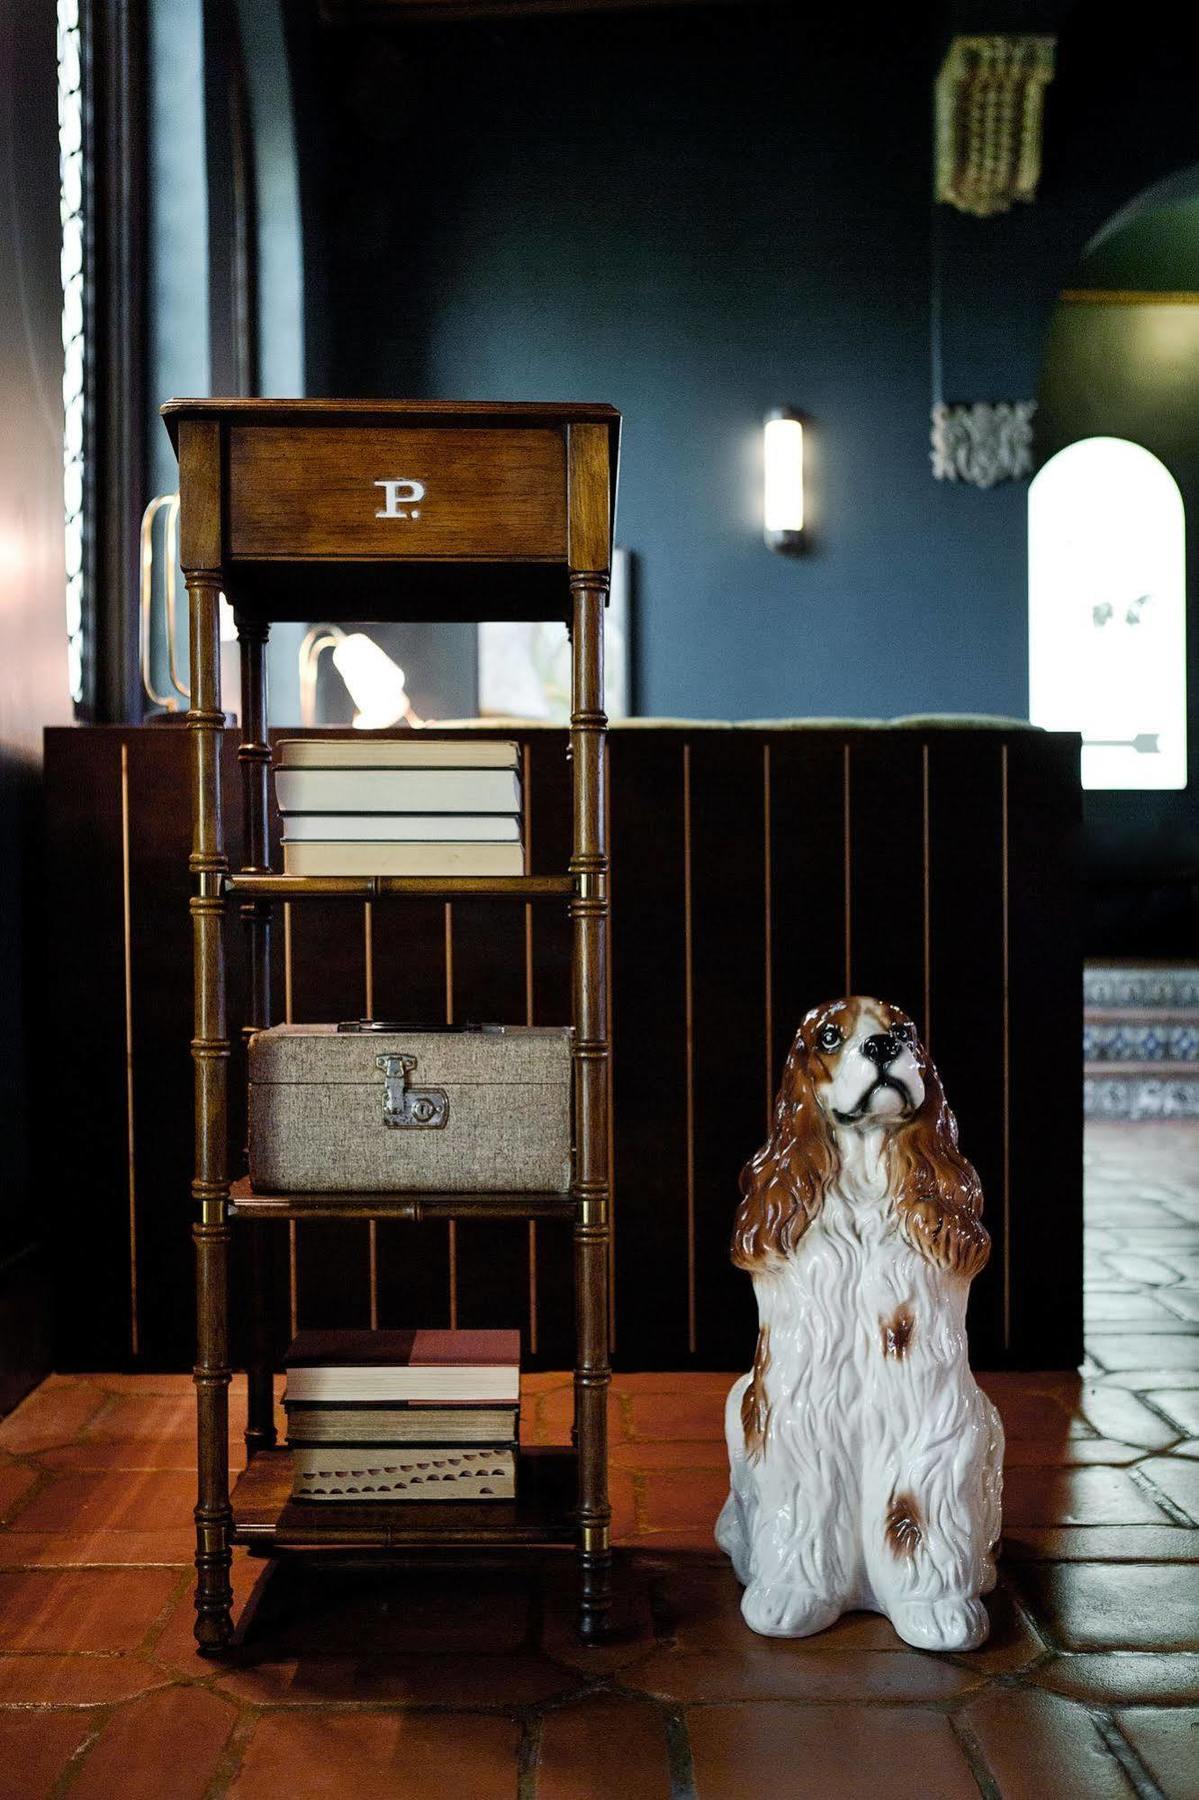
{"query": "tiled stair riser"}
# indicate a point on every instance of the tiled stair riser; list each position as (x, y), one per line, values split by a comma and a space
(1112, 1040)
(1141, 1043)
(1163, 990)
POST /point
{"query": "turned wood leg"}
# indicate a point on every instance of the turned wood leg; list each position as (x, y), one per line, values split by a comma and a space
(210, 1189)
(589, 910)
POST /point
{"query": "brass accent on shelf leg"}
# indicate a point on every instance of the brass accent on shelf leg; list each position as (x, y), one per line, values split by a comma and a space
(210, 1055)
(589, 913)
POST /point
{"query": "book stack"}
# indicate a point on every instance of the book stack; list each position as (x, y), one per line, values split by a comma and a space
(403, 1415)
(417, 805)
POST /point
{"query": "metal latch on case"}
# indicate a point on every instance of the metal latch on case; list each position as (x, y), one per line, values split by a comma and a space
(404, 1107)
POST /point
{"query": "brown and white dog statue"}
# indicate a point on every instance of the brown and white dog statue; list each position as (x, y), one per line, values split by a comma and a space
(866, 1463)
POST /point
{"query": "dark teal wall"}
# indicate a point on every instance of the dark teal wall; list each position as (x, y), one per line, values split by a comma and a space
(701, 213)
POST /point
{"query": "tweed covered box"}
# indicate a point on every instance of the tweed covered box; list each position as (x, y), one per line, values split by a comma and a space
(364, 1110)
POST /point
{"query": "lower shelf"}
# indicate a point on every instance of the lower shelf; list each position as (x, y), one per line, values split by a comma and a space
(246, 1204)
(266, 1518)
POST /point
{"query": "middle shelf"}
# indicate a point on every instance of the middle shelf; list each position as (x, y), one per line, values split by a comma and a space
(246, 1204)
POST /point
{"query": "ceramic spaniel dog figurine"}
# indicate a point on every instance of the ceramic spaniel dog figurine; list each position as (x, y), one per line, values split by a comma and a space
(866, 1463)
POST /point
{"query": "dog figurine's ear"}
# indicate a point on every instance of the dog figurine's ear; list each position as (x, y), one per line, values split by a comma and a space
(939, 1195)
(783, 1186)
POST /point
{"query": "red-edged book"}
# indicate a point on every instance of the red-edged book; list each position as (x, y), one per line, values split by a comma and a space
(468, 1368)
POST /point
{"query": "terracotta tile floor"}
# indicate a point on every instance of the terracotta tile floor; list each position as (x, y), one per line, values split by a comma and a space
(471, 1684)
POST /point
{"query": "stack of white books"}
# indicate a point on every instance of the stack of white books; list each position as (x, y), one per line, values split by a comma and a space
(403, 1415)
(415, 805)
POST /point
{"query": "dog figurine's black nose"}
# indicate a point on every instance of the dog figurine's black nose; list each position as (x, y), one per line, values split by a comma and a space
(881, 1049)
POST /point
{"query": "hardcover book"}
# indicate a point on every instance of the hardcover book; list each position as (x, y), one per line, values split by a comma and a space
(397, 753)
(412, 1423)
(398, 790)
(401, 828)
(410, 1474)
(472, 1366)
(431, 860)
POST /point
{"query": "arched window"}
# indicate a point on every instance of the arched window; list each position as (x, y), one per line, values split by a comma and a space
(1107, 611)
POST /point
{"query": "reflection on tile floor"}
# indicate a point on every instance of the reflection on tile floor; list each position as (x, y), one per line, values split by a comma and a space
(472, 1685)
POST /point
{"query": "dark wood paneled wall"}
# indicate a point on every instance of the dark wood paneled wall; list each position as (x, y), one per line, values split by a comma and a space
(756, 872)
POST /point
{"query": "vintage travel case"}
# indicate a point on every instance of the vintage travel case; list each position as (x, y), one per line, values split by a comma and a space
(371, 1108)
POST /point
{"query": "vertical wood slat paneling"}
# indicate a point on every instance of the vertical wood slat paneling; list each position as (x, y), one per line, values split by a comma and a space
(809, 891)
(772, 915)
(490, 985)
(1045, 1007)
(89, 1240)
(886, 864)
(408, 967)
(130, 1105)
(966, 979)
(649, 1079)
(728, 1013)
(328, 982)
(689, 1044)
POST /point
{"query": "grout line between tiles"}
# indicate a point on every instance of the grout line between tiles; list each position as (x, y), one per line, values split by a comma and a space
(971, 1749)
(528, 1757)
(1119, 1747)
(678, 1756)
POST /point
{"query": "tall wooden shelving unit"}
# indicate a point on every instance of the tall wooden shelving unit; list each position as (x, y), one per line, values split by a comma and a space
(285, 509)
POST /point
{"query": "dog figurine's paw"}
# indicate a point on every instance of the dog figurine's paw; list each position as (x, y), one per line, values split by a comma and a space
(730, 1537)
(787, 1611)
(941, 1624)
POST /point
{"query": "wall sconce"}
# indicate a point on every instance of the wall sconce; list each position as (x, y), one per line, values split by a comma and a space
(375, 682)
(783, 479)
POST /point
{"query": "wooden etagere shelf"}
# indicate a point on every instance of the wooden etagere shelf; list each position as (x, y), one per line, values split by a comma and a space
(280, 511)
(244, 1203)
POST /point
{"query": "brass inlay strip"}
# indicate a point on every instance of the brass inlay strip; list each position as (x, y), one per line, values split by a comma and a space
(608, 1034)
(293, 1278)
(847, 820)
(525, 764)
(927, 1023)
(452, 1224)
(1007, 1057)
(368, 971)
(532, 1229)
(768, 925)
(130, 1141)
(287, 1018)
(1128, 297)
(689, 1016)
(453, 1246)
(449, 962)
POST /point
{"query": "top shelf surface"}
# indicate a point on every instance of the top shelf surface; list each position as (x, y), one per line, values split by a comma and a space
(475, 413)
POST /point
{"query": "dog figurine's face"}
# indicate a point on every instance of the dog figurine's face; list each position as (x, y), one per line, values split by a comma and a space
(864, 1063)
(857, 1067)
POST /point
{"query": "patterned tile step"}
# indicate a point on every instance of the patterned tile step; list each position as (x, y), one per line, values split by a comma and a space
(1147, 1092)
(1143, 1038)
(1164, 986)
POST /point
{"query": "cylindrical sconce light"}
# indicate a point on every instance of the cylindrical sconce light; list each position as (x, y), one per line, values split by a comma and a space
(783, 483)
